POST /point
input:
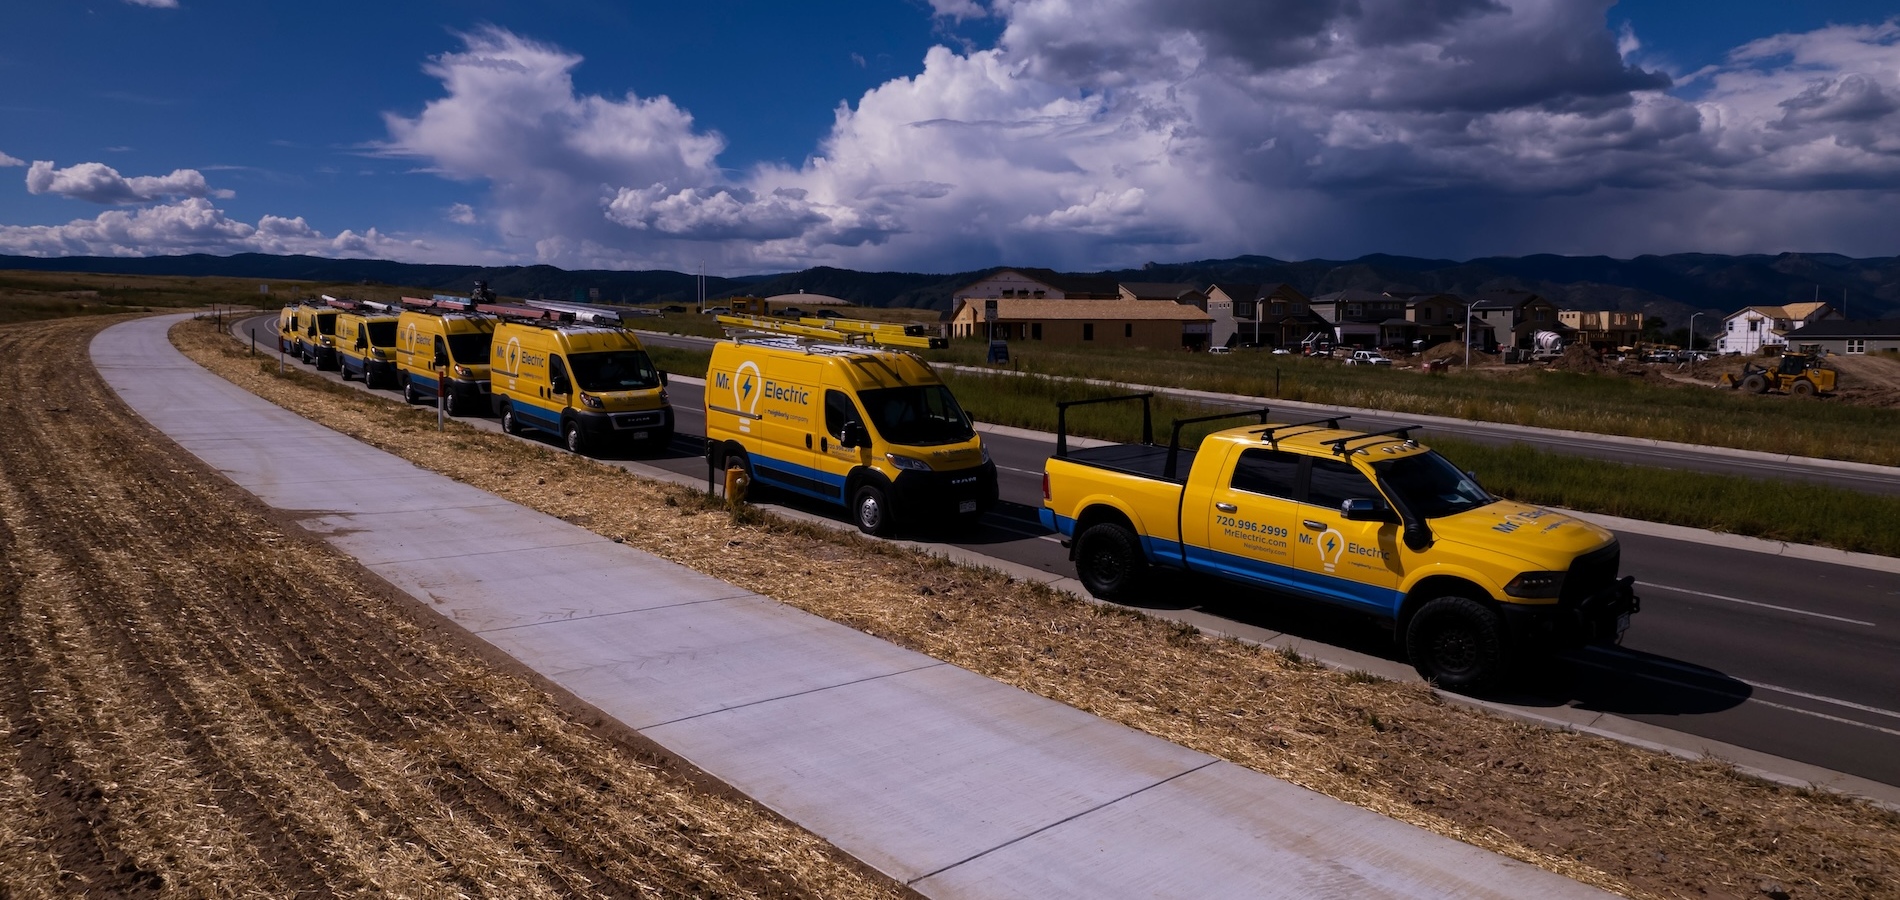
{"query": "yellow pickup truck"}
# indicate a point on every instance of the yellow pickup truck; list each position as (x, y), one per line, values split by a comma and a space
(1471, 584)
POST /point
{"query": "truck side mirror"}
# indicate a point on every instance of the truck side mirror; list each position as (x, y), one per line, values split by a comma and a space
(1365, 510)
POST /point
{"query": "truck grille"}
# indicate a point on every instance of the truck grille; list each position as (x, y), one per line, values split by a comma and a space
(1591, 573)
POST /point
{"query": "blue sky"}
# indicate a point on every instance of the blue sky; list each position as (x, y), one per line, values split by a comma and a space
(943, 135)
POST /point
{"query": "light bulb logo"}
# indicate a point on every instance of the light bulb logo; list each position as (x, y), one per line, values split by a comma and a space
(744, 394)
(1331, 545)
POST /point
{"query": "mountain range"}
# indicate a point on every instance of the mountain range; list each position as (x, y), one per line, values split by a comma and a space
(1671, 287)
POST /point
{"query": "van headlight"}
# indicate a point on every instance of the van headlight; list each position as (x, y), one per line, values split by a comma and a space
(464, 372)
(592, 402)
(910, 463)
(986, 453)
(1536, 585)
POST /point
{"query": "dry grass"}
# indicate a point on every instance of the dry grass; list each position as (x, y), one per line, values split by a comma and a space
(1629, 820)
(197, 700)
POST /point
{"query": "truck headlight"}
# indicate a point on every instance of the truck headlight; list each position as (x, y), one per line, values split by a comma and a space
(1536, 585)
(591, 401)
(907, 462)
(986, 453)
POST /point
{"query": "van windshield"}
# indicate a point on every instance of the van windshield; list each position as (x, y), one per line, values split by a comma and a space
(613, 370)
(1431, 486)
(382, 334)
(470, 347)
(919, 416)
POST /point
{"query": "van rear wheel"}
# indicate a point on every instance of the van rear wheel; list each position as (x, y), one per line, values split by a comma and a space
(1109, 562)
(1457, 643)
(871, 511)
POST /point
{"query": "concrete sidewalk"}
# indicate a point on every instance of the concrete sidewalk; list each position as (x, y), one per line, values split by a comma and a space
(943, 779)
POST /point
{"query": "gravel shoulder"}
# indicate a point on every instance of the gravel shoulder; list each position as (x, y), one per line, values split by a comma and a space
(199, 699)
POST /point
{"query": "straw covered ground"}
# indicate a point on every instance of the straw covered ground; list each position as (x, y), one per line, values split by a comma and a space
(200, 700)
(1637, 822)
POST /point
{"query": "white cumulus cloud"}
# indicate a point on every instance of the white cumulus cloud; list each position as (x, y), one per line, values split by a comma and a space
(194, 225)
(100, 183)
(6, 161)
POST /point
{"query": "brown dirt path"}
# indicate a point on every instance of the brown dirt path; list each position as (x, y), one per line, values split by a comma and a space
(198, 700)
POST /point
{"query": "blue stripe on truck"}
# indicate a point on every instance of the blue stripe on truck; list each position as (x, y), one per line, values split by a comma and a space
(1372, 598)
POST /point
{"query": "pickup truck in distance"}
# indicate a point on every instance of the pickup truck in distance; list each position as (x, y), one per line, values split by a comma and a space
(1471, 585)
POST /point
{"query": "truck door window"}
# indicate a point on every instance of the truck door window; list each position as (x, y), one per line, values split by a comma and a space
(1336, 481)
(1269, 472)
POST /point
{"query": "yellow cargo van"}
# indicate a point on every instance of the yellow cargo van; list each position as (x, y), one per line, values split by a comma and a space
(366, 346)
(316, 335)
(871, 429)
(592, 386)
(287, 329)
(439, 344)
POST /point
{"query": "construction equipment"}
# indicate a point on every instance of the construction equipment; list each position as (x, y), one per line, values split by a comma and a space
(1800, 374)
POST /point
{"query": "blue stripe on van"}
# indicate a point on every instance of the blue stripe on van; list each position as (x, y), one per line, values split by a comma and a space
(799, 479)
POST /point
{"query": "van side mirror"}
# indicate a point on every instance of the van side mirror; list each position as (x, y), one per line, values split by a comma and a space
(852, 435)
(1366, 510)
(662, 376)
(559, 385)
(441, 360)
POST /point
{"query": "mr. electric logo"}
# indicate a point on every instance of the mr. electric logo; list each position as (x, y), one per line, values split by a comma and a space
(1331, 545)
(511, 357)
(745, 388)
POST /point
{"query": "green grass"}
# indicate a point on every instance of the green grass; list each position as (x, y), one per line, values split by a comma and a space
(1785, 511)
(1598, 404)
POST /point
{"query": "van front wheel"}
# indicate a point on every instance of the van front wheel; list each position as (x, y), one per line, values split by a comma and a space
(1109, 562)
(508, 423)
(1457, 643)
(871, 511)
(576, 441)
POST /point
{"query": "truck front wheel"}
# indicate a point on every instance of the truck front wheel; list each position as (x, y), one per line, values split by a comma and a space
(1457, 643)
(1109, 562)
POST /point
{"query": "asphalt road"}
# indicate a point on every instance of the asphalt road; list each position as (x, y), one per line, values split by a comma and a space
(1795, 658)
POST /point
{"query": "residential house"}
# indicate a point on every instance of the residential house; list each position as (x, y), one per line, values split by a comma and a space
(1753, 328)
(1085, 323)
(1039, 284)
(1603, 329)
(1266, 315)
(1434, 318)
(1502, 320)
(1848, 338)
(1363, 318)
(1177, 293)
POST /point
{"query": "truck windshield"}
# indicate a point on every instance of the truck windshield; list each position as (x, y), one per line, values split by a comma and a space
(919, 416)
(1431, 485)
(613, 370)
(382, 334)
(470, 348)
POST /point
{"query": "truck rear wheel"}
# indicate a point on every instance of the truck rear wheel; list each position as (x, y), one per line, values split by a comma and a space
(1457, 643)
(1109, 562)
(1803, 388)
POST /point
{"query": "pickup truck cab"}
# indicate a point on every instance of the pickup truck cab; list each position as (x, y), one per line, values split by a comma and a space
(1376, 522)
(1367, 358)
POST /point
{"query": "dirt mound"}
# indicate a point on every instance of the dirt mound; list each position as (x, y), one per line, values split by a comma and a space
(1455, 354)
(1578, 358)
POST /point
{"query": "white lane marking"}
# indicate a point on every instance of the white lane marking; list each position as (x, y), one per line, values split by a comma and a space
(1790, 609)
(1795, 709)
(1821, 715)
(1758, 685)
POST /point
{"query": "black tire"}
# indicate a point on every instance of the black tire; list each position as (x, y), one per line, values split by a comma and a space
(871, 511)
(344, 373)
(1803, 388)
(1109, 562)
(410, 395)
(1456, 643)
(575, 439)
(1755, 384)
(508, 423)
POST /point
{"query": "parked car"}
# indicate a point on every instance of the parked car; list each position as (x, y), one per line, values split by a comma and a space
(1367, 358)
(717, 310)
(1220, 349)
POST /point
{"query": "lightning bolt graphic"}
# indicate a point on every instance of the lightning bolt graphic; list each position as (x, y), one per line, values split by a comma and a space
(1329, 544)
(746, 389)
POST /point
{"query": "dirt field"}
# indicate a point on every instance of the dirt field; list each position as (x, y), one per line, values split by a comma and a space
(198, 700)
(202, 633)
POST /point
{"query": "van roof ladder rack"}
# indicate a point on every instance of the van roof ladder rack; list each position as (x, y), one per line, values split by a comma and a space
(853, 334)
(581, 312)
